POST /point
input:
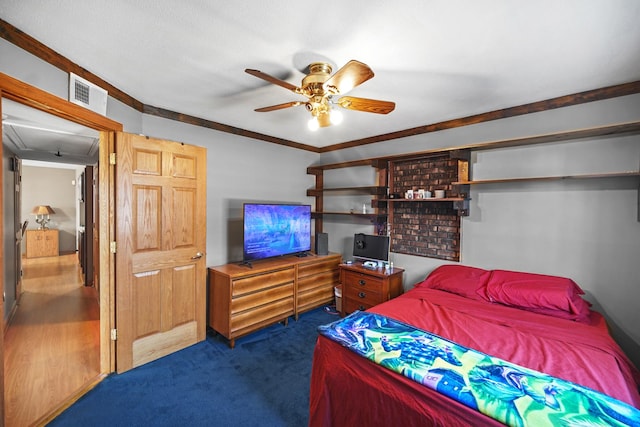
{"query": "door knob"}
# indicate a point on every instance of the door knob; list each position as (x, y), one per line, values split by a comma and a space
(198, 255)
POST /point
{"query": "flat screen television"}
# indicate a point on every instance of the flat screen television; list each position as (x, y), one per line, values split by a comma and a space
(272, 230)
(371, 247)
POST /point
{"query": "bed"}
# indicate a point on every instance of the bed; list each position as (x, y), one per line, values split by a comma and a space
(535, 321)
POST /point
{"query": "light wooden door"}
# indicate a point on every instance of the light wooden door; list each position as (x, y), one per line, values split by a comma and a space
(160, 244)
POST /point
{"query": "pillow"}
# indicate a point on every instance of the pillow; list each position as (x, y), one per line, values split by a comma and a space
(461, 280)
(550, 295)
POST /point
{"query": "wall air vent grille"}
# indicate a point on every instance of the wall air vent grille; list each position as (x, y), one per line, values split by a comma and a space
(86, 94)
(82, 92)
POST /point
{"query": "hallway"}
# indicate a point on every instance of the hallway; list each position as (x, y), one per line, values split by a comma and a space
(52, 343)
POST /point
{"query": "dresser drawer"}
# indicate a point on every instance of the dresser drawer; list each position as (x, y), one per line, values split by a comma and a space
(310, 269)
(259, 316)
(369, 296)
(316, 296)
(350, 305)
(259, 282)
(257, 299)
(363, 282)
(319, 280)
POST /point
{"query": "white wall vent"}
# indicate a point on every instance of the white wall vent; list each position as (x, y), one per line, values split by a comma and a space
(86, 94)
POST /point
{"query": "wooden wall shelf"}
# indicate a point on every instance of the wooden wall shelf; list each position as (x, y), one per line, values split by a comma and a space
(617, 129)
(377, 191)
(373, 217)
(626, 174)
(373, 190)
(462, 204)
(429, 200)
(635, 175)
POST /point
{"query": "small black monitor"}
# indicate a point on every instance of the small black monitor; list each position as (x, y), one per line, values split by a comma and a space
(371, 247)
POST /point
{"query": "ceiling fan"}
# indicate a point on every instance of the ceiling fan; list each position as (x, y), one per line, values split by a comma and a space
(321, 87)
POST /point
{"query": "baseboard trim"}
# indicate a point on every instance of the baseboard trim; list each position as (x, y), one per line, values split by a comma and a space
(87, 387)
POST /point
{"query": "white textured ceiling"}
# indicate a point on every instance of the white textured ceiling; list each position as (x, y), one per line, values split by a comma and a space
(437, 60)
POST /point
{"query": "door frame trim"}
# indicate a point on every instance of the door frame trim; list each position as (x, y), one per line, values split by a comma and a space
(34, 97)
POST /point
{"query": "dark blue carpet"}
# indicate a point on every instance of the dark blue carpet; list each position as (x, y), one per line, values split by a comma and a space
(263, 381)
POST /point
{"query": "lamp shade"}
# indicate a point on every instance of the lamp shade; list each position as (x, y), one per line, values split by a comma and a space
(43, 210)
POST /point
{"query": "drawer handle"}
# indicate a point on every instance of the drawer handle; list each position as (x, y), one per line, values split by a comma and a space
(362, 294)
(361, 307)
(362, 282)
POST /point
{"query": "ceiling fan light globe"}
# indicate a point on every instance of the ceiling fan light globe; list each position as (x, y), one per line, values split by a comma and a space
(313, 124)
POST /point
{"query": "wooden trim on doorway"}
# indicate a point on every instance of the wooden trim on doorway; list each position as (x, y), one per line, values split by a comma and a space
(31, 96)
(26, 94)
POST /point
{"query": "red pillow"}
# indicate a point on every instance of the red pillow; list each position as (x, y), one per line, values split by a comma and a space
(550, 295)
(458, 279)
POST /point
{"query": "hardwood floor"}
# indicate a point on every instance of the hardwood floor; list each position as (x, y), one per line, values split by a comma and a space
(52, 343)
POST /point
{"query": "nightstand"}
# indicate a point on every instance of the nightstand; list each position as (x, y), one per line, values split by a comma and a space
(364, 287)
(41, 243)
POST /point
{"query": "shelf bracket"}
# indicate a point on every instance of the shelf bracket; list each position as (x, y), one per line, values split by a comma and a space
(462, 206)
(463, 190)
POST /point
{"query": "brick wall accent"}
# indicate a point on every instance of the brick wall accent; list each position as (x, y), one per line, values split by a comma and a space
(429, 229)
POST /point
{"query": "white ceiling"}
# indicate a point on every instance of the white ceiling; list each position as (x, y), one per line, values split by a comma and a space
(36, 135)
(437, 59)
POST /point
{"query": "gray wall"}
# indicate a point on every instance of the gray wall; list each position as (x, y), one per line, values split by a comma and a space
(55, 187)
(586, 230)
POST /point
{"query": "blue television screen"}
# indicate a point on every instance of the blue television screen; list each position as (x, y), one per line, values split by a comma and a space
(272, 230)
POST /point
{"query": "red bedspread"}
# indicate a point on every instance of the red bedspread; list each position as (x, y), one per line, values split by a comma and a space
(347, 390)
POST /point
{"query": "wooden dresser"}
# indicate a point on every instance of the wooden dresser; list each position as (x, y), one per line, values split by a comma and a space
(41, 243)
(363, 287)
(243, 299)
(316, 279)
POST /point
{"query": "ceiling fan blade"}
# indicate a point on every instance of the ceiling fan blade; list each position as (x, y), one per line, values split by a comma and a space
(279, 106)
(352, 74)
(366, 105)
(274, 80)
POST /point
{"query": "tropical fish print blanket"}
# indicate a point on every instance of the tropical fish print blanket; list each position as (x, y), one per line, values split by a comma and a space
(511, 394)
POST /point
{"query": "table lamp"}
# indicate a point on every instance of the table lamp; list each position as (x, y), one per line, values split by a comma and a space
(42, 213)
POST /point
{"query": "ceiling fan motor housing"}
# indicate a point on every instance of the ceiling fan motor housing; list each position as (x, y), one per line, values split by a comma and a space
(312, 83)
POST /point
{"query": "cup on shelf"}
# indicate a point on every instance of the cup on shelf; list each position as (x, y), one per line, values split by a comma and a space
(439, 194)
